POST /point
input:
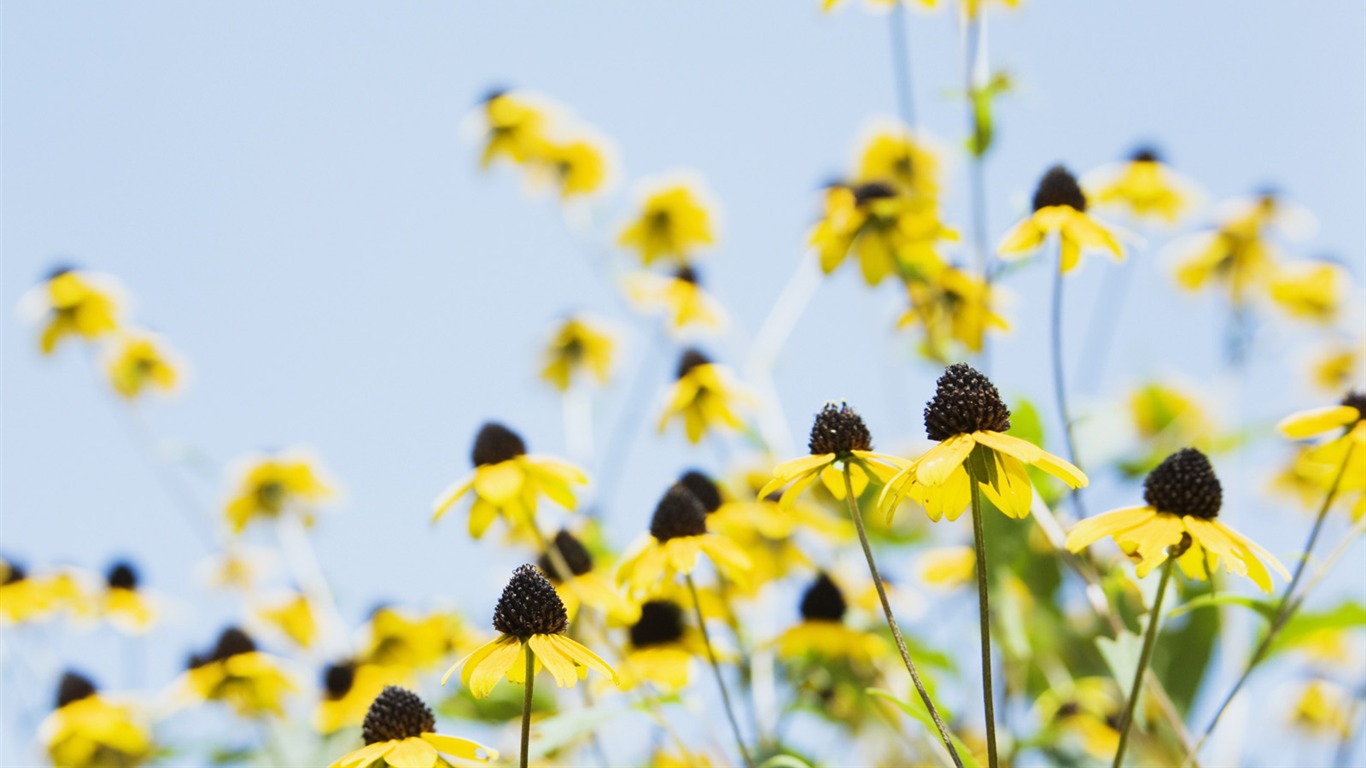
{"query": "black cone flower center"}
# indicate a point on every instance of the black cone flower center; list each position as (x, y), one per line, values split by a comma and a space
(496, 444)
(73, 687)
(678, 514)
(965, 401)
(1146, 154)
(823, 600)
(1184, 484)
(231, 642)
(661, 622)
(1356, 400)
(14, 573)
(573, 551)
(873, 190)
(687, 274)
(703, 488)
(529, 606)
(838, 429)
(396, 714)
(1059, 187)
(691, 359)
(338, 678)
(122, 576)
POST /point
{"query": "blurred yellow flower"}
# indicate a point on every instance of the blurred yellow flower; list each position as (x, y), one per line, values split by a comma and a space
(294, 618)
(26, 597)
(577, 167)
(348, 689)
(1060, 208)
(123, 604)
(889, 233)
(1343, 456)
(580, 346)
(269, 486)
(822, 632)
(1338, 366)
(948, 567)
(252, 683)
(952, 304)
(514, 127)
(585, 584)
(674, 220)
(1144, 186)
(508, 481)
(400, 731)
(678, 535)
(891, 154)
(1309, 291)
(410, 641)
(73, 302)
(1323, 708)
(139, 361)
(1089, 710)
(88, 730)
(1161, 412)
(663, 648)
(679, 297)
(704, 395)
(1238, 253)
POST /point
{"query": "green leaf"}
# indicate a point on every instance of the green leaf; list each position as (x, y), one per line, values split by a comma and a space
(1184, 648)
(784, 761)
(918, 713)
(1304, 626)
(1264, 607)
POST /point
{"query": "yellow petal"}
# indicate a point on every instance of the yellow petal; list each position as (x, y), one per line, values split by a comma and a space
(583, 656)
(450, 496)
(461, 748)
(1023, 238)
(561, 667)
(500, 482)
(939, 462)
(1093, 529)
(412, 753)
(364, 756)
(1309, 423)
(1012, 493)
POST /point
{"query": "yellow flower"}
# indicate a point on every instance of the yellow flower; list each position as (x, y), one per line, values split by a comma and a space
(530, 617)
(1309, 291)
(141, 361)
(1160, 412)
(400, 731)
(948, 567)
(586, 584)
(1345, 454)
(1060, 208)
(73, 302)
(29, 598)
(407, 641)
(509, 482)
(674, 220)
(1144, 185)
(1238, 253)
(888, 232)
(89, 731)
(704, 395)
(969, 419)
(822, 632)
(577, 167)
(1090, 710)
(237, 674)
(678, 534)
(663, 648)
(269, 486)
(514, 126)
(1324, 708)
(892, 154)
(679, 297)
(762, 529)
(349, 687)
(1337, 366)
(293, 617)
(1183, 497)
(952, 304)
(838, 436)
(580, 345)
(122, 604)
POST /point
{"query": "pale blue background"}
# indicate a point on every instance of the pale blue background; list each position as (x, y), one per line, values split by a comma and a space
(285, 191)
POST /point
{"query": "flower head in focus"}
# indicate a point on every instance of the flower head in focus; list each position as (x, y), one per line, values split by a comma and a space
(252, 683)
(289, 483)
(88, 730)
(400, 731)
(1341, 459)
(1060, 208)
(73, 303)
(704, 395)
(678, 535)
(839, 436)
(1144, 185)
(674, 221)
(579, 347)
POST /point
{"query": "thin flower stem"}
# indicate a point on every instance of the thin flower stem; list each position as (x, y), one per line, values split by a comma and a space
(901, 64)
(1287, 606)
(1126, 722)
(984, 619)
(1060, 383)
(944, 736)
(530, 682)
(716, 668)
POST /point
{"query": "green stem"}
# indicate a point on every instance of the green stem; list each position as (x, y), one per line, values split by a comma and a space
(891, 620)
(1126, 722)
(716, 668)
(530, 683)
(984, 618)
(1060, 383)
(901, 65)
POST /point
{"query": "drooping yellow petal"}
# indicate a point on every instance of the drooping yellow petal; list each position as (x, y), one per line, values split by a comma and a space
(1304, 424)
(1012, 492)
(583, 656)
(364, 756)
(412, 753)
(1093, 529)
(451, 495)
(939, 462)
(561, 667)
(1148, 543)
(1022, 239)
(463, 749)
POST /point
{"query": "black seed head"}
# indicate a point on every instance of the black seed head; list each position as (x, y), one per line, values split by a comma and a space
(661, 621)
(823, 600)
(495, 444)
(573, 551)
(1356, 400)
(703, 488)
(396, 714)
(337, 679)
(73, 687)
(1184, 484)
(873, 190)
(1068, 709)
(678, 514)
(691, 359)
(529, 606)
(964, 401)
(122, 576)
(1059, 187)
(14, 572)
(1146, 154)
(232, 642)
(838, 429)
(687, 274)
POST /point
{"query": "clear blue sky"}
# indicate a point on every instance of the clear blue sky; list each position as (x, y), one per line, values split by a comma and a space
(285, 191)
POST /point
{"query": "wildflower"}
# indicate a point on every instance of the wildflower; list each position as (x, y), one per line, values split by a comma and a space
(762, 529)
(1323, 708)
(1345, 453)
(1337, 366)
(407, 641)
(270, 486)
(679, 297)
(838, 436)
(952, 304)
(123, 604)
(87, 730)
(888, 232)
(674, 220)
(823, 633)
(348, 688)
(1060, 207)
(577, 167)
(24, 598)
(580, 345)
(400, 731)
(139, 361)
(1183, 497)
(704, 395)
(678, 534)
(585, 584)
(293, 616)
(508, 481)
(662, 647)
(893, 155)
(1144, 185)
(1311, 292)
(1239, 252)
(235, 673)
(969, 419)
(1090, 711)
(1159, 412)
(529, 616)
(514, 127)
(73, 302)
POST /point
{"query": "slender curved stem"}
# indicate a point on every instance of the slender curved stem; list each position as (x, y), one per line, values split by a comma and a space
(901, 64)
(984, 618)
(716, 668)
(1060, 382)
(891, 620)
(1287, 606)
(530, 683)
(1126, 723)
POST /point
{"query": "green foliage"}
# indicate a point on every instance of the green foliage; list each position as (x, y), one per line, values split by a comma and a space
(916, 711)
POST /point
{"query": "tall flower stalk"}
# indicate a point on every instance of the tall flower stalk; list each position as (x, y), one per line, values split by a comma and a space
(720, 679)
(977, 471)
(1126, 721)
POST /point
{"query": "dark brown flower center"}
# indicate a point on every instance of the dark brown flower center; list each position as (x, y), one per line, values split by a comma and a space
(1184, 484)
(691, 359)
(73, 687)
(575, 555)
(703, 488)
(529, 606)
(838, 429)
(496, 444)
(338, 678)
(1059, 187)
(823, 600)
(396, 714)
(122, 576)
(661, 621)
(965, 401)
(1356, 400)
(678, 514)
